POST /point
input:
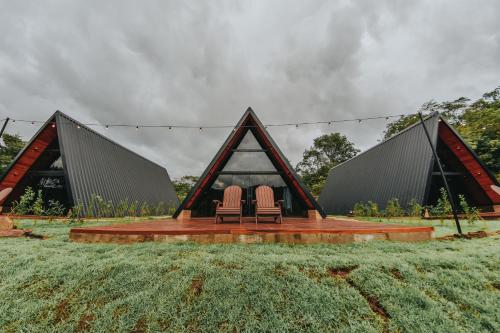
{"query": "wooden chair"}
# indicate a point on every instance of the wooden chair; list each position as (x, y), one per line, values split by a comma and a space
(3, 196)
(265, 206)
(231, 205)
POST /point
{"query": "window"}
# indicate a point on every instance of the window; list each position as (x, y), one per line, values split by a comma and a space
(249, 142)
(249, 161)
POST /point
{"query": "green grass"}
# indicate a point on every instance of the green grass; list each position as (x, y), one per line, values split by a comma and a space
(56, 285)
(441, 228)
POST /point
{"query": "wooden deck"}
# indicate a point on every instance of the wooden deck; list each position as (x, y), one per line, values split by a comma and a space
(292, 230)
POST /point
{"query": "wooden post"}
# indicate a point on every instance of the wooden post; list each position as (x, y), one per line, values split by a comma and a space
(4, 125)
(436, 157)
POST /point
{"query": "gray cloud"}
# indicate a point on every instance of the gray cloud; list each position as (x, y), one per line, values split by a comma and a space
(206, 62)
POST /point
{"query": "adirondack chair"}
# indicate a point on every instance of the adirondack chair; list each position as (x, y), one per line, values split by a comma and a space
(265, 206)
(3, 195)
(231, 205)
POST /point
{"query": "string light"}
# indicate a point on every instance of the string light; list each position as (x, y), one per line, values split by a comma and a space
(201, 128)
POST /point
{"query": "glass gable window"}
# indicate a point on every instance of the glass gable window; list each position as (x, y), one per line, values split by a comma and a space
(249, 142)
(249, 161)
(249, 166)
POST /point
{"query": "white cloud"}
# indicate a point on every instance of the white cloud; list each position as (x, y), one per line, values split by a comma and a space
(206, 62)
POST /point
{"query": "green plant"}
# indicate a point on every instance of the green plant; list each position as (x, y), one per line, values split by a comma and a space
(97, 206)
(414, 208)
(75, 214)
(24, 205)
(145, 210)
(393, 208)
(471, 213)
(132, 209)
(37, 207)
(159, 210)
(359, 209)
(341, 287)
(372, 209)
(54, 208)
(122, 208)
(171, 210)
(106, 208)
(443, 206)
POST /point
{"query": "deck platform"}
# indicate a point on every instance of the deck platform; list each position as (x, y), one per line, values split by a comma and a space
(292, 230)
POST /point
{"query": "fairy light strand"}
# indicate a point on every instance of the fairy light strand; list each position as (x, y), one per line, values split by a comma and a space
(203, 127)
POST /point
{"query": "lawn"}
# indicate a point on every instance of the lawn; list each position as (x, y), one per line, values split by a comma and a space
(57, 285)
(441, 228)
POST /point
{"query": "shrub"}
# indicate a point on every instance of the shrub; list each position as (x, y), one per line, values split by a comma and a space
(393, 208)
(471, 213)
(54, 208)
(414, 208)
(371, 209)
(37, 207)
(145, 210)
(132, 209)
(98, 207)
(359, 209)
(443, 206)
(160, 209)
(23, 206)
(171, 210)
(75, 214)
(122, 208)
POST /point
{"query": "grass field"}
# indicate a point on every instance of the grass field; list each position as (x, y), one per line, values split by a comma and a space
(57, 285)
(441, 228)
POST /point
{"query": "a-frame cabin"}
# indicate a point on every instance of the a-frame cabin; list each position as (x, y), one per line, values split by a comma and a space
(404, 167)
(249, 158)
(70, 163)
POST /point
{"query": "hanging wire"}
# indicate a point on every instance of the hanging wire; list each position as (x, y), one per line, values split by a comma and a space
(201, 128)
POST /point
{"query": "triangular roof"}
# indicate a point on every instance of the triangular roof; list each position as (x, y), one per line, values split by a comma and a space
(247, 121)
(93, 164)
(400, 167)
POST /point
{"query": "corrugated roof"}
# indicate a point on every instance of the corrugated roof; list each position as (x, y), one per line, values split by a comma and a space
(398, 167)
(95, 164)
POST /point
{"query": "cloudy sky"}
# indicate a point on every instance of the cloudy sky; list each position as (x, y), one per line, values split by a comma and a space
(204, 63)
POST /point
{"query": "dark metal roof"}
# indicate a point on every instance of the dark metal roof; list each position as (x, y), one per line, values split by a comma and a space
(95, 164)
(250, 113)
(399, 167)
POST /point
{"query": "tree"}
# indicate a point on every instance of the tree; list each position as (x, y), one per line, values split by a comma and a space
(9, 150)
(183, 185)
(451, 111)
(327, 151)
(478, 123)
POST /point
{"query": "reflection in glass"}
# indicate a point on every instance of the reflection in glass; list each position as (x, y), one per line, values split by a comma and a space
(57, 164)
(249, 142)
(249, 161)
(222, 182)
